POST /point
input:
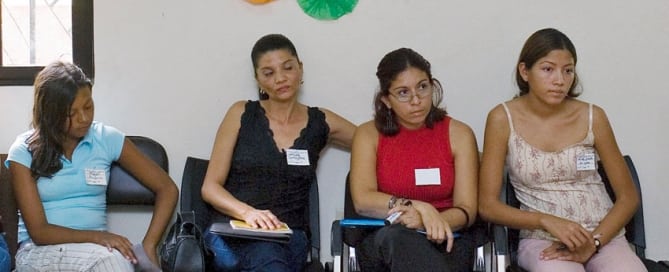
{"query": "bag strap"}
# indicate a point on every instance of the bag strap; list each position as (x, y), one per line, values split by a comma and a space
(186, 216)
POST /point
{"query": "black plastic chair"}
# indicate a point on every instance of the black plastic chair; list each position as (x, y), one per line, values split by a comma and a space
(123, 188)
(191, 200)
(506, 239)
(345, 239)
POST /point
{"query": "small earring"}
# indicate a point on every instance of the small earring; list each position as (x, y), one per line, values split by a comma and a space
(389, 118)
(261, 91)
(301, 82)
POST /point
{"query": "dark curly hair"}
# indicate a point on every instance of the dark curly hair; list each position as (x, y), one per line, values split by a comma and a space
(391, 65)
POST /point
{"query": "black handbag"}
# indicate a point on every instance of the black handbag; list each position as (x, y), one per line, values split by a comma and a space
(183, 248)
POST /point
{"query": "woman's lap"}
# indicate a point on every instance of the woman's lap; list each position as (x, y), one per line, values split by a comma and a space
(255, 255)
(71, 256)
(615, 256)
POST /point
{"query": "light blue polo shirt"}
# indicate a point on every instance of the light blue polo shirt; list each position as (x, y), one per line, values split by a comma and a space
(75, 197)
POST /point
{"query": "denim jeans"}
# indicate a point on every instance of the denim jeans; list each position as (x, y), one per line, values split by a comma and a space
(237, 254)
(5, 261)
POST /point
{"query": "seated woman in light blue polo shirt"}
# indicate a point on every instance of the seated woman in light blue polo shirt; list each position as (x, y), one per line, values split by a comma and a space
(60, 170)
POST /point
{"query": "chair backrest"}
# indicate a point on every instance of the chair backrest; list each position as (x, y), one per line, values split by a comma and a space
(123, 188)
(191, 200)
(191, 183)
(314, 218)
(634, 230)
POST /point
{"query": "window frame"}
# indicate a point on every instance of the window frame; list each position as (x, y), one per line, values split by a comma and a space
(82, 48)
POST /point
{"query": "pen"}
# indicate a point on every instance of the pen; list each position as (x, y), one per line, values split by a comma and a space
(392, 218)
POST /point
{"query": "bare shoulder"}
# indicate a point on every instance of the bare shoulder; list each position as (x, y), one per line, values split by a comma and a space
(330, 116)
(598, 114)
(367, 129)
(457, 127)
(238, 107)
(497, 114)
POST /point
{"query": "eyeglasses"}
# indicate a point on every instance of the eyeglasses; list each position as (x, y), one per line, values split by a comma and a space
(405, 95)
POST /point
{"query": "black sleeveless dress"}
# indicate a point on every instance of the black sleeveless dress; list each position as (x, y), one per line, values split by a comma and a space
(260, 175)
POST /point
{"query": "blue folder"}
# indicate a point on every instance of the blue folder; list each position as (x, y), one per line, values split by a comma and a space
(372, 223)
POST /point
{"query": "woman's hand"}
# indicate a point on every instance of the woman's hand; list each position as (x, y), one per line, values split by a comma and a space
(410, 217)
(420, 215)
(570, 233)
(113, 241)
(560, 252)
(263, 219)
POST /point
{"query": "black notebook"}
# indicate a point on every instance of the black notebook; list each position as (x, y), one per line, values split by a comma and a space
(239, 229)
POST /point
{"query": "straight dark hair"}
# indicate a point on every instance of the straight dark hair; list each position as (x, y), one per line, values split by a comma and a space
(270, 42)
(539, 45)
(56, 86)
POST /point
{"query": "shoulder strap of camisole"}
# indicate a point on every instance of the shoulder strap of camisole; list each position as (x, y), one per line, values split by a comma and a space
(508, 115)
(590, 118)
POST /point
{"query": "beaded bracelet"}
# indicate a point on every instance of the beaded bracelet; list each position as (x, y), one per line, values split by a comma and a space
(391, 202)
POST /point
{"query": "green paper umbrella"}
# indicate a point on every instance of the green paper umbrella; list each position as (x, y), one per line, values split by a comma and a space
(327, 9)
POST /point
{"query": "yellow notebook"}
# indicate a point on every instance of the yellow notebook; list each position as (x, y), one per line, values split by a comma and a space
(239, 229)
(241, 225)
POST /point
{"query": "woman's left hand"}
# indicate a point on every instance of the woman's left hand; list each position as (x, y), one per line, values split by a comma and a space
(420, 215)
(558, 251)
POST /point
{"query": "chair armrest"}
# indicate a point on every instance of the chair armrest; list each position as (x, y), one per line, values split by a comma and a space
(336, 248)
(501, 240)
(501, 247)
(336, 242)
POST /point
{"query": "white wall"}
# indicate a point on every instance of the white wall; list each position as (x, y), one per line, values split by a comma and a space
(169, 69)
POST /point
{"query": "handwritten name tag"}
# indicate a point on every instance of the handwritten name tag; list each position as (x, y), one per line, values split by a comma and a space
(297, 157)
(95, 176)
(585, 161)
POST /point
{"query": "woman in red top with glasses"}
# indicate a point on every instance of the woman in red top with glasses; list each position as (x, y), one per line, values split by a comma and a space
(416, 160)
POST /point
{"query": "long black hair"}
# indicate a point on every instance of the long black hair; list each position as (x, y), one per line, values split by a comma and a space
(56, 86)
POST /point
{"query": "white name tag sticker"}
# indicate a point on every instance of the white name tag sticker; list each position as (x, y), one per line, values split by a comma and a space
(297, 157)
(95, 177)
(585, 162)
(429, 176)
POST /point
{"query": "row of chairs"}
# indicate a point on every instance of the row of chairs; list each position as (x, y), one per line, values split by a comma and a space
(123, 189)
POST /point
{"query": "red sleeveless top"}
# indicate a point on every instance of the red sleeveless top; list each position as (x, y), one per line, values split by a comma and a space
(400, 155)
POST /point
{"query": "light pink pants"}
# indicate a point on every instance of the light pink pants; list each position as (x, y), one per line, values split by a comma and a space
(614, 256)
(70, 257)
